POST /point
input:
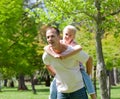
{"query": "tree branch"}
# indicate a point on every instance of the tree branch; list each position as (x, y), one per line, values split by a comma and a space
(116, 12)
(92, 16)
(113, 13)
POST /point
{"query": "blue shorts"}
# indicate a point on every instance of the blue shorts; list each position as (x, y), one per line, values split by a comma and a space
(79, 94)
(53, 90)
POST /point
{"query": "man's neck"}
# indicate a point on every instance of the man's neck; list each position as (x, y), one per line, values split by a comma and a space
(59, 49)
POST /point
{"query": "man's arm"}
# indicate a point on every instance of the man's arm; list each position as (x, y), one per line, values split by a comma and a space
(89, 65)
(87, 60)
(51, 70)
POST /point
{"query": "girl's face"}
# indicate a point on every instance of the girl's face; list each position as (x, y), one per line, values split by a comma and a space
(68, 36)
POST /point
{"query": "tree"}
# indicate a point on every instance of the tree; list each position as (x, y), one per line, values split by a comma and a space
(18, 33)
(10, 14)
(98, 16)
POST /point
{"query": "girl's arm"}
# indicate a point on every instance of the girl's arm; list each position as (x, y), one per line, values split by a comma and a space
(48, 50)
(77, 49)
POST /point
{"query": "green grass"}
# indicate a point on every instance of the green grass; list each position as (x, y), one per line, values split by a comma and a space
(43, 93)
(115, 92)
(13, 93)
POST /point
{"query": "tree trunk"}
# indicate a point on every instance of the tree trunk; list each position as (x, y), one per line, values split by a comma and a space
(112, 79)
(94, 80)
(115, 74)
(47, 80)
(108, 84)
(32, 84)
(118, 75)
(5, 82)
(0, 86)
(11, 83)
(102, 75)
(21, 83)
(101, 70)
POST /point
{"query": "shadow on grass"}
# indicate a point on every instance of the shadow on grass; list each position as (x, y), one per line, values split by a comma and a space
(115, 87)
(16, 90)
(42, 90)
(115, 98)
(112, 87)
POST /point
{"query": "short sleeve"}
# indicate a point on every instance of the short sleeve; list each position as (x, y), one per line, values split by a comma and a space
(83, 57)
(45, 58)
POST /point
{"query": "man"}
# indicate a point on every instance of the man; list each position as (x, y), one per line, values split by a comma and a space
(69, 80)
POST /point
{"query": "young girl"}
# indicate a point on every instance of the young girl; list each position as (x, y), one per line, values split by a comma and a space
(68, 39)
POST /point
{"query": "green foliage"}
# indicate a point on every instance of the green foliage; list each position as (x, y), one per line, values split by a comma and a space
(97, 16)
(19, 48)
(18, 43)
(86, 40)
(10, 14)
(111, 51)
(83, 14)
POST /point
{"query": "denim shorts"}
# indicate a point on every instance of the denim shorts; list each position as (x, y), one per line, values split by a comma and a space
(53, 90)
(79, 94)
(88, 82)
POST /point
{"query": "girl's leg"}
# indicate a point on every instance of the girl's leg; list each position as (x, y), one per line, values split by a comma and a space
(88, 84)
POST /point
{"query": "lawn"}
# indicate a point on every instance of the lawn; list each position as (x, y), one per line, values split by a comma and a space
(43, 93)
(115, 92)
(13, 93)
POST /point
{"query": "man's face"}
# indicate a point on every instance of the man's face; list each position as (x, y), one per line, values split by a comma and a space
(52, 38)
(68, 36)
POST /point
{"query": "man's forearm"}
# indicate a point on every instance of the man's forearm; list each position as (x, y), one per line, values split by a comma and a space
(51, 70)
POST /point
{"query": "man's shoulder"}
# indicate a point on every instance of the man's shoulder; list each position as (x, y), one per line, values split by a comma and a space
(45, 54)
(46, 47)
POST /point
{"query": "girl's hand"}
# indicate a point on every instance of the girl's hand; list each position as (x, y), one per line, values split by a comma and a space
(57, 56)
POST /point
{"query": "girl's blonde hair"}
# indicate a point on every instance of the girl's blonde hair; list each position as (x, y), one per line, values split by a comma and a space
(70, 27)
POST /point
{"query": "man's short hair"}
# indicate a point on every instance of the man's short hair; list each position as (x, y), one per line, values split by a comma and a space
(56, 30)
